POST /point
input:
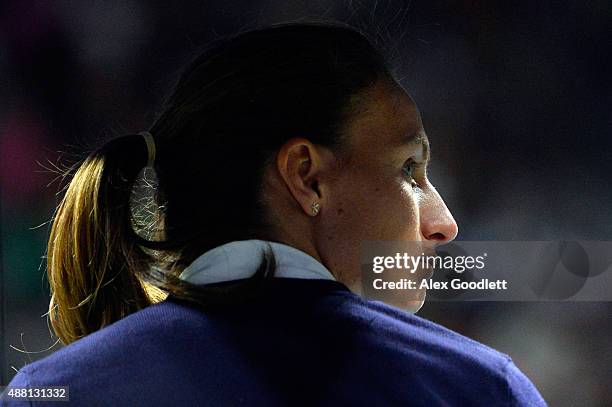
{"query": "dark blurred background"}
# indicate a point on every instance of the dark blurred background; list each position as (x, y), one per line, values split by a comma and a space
(516, 99)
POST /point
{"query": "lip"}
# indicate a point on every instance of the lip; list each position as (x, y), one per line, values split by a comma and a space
(430, 252)
(429, 272)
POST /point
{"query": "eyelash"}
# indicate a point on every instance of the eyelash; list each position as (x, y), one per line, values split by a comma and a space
(411, 166)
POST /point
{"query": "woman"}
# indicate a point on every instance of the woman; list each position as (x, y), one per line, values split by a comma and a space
(278, 153)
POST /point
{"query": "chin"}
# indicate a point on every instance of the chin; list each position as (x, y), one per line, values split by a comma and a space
(411, 305)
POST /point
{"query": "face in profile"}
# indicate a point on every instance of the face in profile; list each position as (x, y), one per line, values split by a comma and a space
(379, 191)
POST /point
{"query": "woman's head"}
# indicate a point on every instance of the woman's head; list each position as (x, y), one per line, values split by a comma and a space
(374, 189)
(258, 128)
(234, 108)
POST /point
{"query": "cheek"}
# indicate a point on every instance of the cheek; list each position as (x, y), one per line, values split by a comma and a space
(361, 209)
(376, 208)
(399, 211)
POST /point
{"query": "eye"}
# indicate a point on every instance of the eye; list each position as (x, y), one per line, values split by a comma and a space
(408, 171)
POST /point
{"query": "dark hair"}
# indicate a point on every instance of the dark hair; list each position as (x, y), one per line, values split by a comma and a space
(231, 109)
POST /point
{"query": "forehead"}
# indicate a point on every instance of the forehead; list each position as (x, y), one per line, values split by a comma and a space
(387, 117)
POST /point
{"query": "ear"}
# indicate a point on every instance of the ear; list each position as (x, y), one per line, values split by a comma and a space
(301, 164)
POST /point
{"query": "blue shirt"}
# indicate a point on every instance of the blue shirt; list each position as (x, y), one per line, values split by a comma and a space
(305, 341)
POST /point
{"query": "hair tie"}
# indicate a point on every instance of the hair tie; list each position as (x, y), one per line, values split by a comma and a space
(150, 147)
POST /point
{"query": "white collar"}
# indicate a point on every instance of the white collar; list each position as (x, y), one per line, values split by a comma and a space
(240, 259)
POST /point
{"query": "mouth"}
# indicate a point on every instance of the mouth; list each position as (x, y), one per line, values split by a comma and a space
(428, 272)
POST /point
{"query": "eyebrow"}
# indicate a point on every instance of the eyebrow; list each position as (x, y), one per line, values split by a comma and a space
(418, 138)
(413, 136)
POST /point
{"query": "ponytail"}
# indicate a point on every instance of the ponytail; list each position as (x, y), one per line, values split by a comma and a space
(93, 258)
(97, 268)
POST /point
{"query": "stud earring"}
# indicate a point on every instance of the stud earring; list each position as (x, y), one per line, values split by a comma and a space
(315, 208)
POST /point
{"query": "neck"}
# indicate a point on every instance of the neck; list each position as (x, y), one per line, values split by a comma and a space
(294, 237)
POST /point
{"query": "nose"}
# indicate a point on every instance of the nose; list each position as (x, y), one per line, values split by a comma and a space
(437, 223)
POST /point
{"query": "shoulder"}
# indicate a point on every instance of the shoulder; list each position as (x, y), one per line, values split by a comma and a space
(20, 381)
(111, 345)
(460, 369)
(521, 391)
(129, 352)
(395, 327)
